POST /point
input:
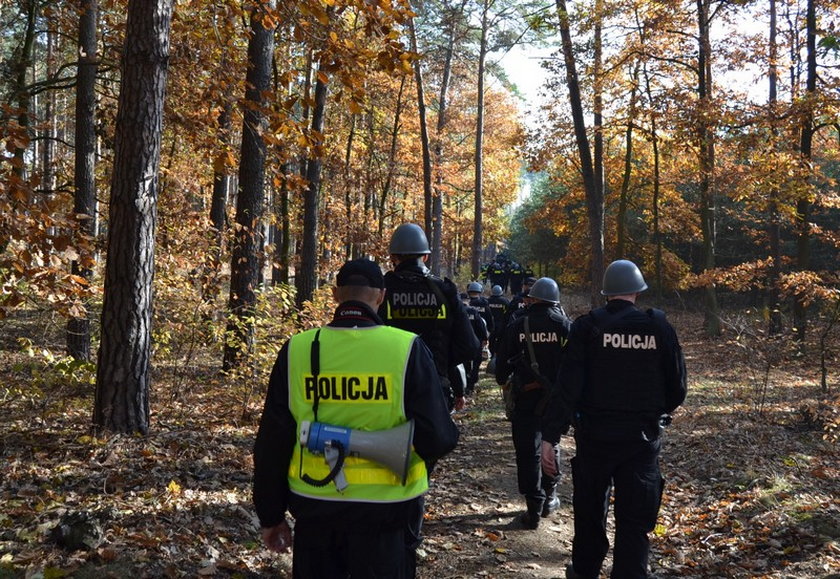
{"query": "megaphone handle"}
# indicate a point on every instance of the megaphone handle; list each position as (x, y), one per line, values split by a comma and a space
(333, 456)
(334, 471)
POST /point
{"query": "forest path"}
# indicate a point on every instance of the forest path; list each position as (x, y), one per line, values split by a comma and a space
(471, 527)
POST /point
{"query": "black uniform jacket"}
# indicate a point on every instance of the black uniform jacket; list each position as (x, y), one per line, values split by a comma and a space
(414, 307)
(498, 306)
(482, 306)
(516, 307)
(549, 329)
(477, 323)
(619, 377)
(434, 436)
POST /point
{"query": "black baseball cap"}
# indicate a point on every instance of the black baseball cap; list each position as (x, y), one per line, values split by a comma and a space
(361, 272)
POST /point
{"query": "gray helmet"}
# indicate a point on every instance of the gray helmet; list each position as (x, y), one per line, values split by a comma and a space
(496, 290)
(474, 286)
(408, 239)
(622, 277)
(545, 289)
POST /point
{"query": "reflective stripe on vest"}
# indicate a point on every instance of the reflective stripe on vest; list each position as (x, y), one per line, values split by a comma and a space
(415, 312)
(361, 386)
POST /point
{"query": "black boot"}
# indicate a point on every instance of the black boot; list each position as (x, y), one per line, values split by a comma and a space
(530, 519)
(551, 503)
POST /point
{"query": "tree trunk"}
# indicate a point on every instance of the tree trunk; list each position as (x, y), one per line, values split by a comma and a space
(437, 207)
(594, 197)
(803, 205)
(621, 218)
(123, 371)
(20, 68)
(211, 286)
(424, 142)
(247, 243)
(306, 278)
(774, 226)
(657, 180)
(597, 204)
(349, 188)
(475, 261)
(392, 159)
(221, 175)
(49, 134)
(84, 176)
(282, 242)
(706, 140)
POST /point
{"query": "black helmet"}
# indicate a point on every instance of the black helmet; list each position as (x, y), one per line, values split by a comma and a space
(545, 289)
(474, 286)
(496, 290)
(623, 277)
(408, 239)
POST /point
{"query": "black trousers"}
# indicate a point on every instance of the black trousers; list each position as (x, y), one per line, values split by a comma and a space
(526, 428)
(631, 471)
(324, 552)
(472, 373)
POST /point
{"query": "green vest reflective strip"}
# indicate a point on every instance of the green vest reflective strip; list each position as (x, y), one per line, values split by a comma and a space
(415, 312)
(361, 386)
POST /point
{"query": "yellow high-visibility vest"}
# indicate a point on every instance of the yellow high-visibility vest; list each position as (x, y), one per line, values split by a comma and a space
(360, 386)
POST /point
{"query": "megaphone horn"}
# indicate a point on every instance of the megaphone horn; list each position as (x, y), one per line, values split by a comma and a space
(390, 448)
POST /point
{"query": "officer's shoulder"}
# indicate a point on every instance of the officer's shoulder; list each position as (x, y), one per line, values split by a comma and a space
(659, 319)
(656, 314)
(447, 284)
(558, 316)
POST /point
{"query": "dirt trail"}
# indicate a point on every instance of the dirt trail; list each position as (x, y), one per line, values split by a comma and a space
(471, 527)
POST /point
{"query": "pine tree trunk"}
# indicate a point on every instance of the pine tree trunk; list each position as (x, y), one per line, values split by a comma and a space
(475, 261)
(774, 226)
(123, 371)
(84, 177)
(594, 197)
(306, 278)
(424, 142)
(803, 205)
(247, 244)
(706, 140)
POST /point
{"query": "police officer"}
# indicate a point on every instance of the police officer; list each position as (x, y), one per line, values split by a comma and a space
(420, 302)
(497, 273)
(517, 275)
(531, 350)
(518, 303)
(479, 327)
(480, 303)
(621, 377)
(359, 532)
(498, 304)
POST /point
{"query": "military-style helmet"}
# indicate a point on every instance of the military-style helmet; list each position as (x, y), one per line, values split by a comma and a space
(545, 289)
(474, 286)
(408, 239)
(622, 277)
(496, 290)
